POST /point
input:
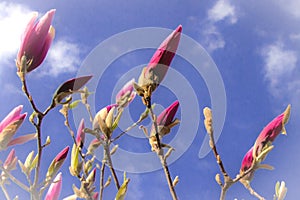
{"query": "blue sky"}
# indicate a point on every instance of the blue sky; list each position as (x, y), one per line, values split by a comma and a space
(255, 46)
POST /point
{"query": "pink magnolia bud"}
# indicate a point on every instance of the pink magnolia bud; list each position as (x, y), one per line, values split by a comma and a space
(9, 126)
(36, 40)
(80, 134)
(271, 131)
(57, 162)
(11, 161)
(62, 155)
(126, 94)
(55, 188)
(165, 120)
(161, 60)
(166, 116)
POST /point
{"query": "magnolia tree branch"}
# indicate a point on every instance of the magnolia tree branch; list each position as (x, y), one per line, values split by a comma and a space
(15, 180)
(38, 130)
(160, 154)
(228, 181)
(209, 128)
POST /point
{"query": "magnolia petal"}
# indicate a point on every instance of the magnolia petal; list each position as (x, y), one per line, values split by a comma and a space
(55, 188)
(110, 118)
(22, 139)
(265, 166)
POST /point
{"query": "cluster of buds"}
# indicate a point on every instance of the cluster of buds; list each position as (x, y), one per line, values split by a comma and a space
(86, 190)
(154, 73)
(263, 145)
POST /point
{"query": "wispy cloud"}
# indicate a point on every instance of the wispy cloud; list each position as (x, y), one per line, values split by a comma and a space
(291, 7)
(280, 69)
(295, 37)
(222, 10)
(63, 57)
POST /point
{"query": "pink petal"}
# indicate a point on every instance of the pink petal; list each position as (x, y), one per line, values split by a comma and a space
(80, 133)
(247, 160)
(55, 188)
(43, 51)
(25, 37)
(10, 159)
(127, 88)
(22, 139)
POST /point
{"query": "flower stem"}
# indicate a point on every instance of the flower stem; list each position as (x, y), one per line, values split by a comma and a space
(160, 154)
(101, 181)
(15, 180)
(168, 176)
(5, 191)
(108, 160)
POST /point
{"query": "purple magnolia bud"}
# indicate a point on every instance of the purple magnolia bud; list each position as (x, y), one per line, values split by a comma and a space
(271, 131)
(166, 117)
(55, 188)
(126, 94)
(36, 40)
(70, 86)
(161, 60)
(80, 134)
(9, 126)
(61, 156)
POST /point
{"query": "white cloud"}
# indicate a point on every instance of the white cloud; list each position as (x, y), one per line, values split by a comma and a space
(63, 57)
(291, 7)
(222, 10)
(213, 38)
(280, 69)
(13, 20)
